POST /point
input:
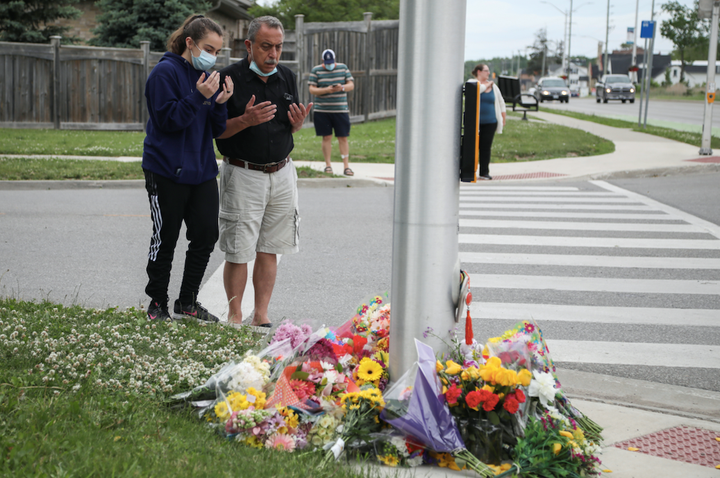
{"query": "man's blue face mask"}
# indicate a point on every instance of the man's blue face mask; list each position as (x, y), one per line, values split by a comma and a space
(330, 67)
(256, 69)
(203, 62)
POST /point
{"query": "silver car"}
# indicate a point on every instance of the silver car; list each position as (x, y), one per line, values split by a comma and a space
(615, 87)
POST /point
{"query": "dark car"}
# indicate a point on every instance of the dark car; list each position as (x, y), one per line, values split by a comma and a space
(549, 89)
(615, 87)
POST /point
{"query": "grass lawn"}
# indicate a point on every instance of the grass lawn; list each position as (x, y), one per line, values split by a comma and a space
(82, 394)
(372, 142)
(688, 137)
(13, 169)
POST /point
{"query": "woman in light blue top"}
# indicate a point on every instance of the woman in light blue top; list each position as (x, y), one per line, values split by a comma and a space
(492, 117)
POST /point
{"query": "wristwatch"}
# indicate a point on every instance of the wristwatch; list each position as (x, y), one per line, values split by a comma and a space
(343, 87)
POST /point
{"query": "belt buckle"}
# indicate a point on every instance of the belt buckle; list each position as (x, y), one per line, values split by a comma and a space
(266, 168)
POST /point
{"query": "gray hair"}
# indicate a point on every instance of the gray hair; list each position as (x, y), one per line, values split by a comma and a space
(268, 21)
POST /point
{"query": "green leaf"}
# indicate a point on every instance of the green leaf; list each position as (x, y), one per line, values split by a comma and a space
(299, 376)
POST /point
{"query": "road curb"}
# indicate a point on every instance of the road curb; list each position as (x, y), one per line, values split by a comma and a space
(651, 396)
(315, 183)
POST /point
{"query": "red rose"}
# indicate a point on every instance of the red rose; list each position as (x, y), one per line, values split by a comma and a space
(473, 399)
(511, 405)
(520, 396)
(491, 402)
(452, 394)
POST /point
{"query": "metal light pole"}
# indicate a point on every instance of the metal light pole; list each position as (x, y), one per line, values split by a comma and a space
(425, 266)
(705, 146)
(565, 32)
(635, 32)
(648, 70)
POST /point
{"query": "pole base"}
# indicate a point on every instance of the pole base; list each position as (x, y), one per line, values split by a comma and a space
(705, 151)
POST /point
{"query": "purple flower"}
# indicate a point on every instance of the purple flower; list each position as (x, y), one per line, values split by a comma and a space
(297, 335)
(322, 350)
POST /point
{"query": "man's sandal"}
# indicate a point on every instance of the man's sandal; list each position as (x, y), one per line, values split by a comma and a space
(328, 170)
(348, 172)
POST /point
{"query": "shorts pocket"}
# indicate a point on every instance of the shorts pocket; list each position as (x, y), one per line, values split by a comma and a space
(229, 225)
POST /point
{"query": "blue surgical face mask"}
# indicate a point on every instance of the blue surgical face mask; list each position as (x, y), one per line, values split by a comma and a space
(330, 67)
(203, 62)
(256, 69)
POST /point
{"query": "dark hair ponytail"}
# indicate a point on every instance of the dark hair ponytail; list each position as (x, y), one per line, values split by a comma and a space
(477, 68)
(196, 27)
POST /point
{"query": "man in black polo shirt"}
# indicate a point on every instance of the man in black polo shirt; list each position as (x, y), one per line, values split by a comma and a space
(258, 183)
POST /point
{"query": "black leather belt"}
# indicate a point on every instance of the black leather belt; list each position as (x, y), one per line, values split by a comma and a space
(265, 168)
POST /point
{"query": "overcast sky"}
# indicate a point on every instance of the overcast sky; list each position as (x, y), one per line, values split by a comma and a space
(502, 28)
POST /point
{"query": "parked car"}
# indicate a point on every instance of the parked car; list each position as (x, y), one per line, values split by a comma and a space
(549, 89)
(615, 87)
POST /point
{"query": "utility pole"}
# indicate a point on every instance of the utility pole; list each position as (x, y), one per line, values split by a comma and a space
(569, 58)
(425, 266)
(705, 146)
(607, 34)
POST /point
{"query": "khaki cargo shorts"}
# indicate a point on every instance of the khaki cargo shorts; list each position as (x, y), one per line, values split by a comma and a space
(258, 212)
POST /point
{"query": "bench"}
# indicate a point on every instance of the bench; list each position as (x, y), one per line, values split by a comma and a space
(510, 89)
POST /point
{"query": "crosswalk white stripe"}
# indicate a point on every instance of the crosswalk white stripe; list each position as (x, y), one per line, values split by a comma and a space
(569, 215)
(590, 261)
(594, 284)
(577, 194)
(579, 207)
(713, 229)
(624, 353)
(580, 226)
(521, 188)
(588, 241)
(543, 313)
(550, 200)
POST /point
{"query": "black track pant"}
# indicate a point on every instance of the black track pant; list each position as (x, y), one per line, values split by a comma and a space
(487, 133)
(170, 205)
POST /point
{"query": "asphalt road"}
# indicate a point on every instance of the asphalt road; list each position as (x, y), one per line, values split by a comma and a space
(89, 247)
(664, 113)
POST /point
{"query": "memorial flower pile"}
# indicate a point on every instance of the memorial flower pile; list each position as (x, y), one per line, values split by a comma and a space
(485, 407)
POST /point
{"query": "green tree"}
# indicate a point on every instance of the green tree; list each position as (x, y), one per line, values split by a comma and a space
(541, 50)
(28, 20)
(328, 10)
(683, 29)
(124, 23)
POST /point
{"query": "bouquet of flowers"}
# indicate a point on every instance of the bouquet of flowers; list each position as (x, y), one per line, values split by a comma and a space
(524, 346)
(276, 428)
(362, 410)
(393, 449)
(417, 408)
(554, 446)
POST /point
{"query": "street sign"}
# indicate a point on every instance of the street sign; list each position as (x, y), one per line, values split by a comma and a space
(646, 30)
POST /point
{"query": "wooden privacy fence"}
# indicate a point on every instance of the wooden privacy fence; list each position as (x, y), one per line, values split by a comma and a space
(78, 87)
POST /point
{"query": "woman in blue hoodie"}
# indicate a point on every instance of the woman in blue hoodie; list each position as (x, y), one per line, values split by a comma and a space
(187, 110)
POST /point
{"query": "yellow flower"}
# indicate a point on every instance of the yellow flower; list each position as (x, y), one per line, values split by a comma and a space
(506, 378)
(556, 448)
(260, 398)
(253, 442)
(369, 370)
(524, 377)
(465, 375)
(221, 411)
(453, 368)
(389, 460)
(494, 340)
(488, 388)
(579, 435)
(438, 366)
(493, 362)
(292, 421)
(474, 372)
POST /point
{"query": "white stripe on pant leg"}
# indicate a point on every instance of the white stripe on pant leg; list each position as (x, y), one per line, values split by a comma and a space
(156, 215)
(212, 294)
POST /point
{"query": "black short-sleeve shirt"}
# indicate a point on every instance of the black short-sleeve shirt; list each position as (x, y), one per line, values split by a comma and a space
(268, 142)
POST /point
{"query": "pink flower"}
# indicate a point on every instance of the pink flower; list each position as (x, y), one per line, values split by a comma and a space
(280, 442)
